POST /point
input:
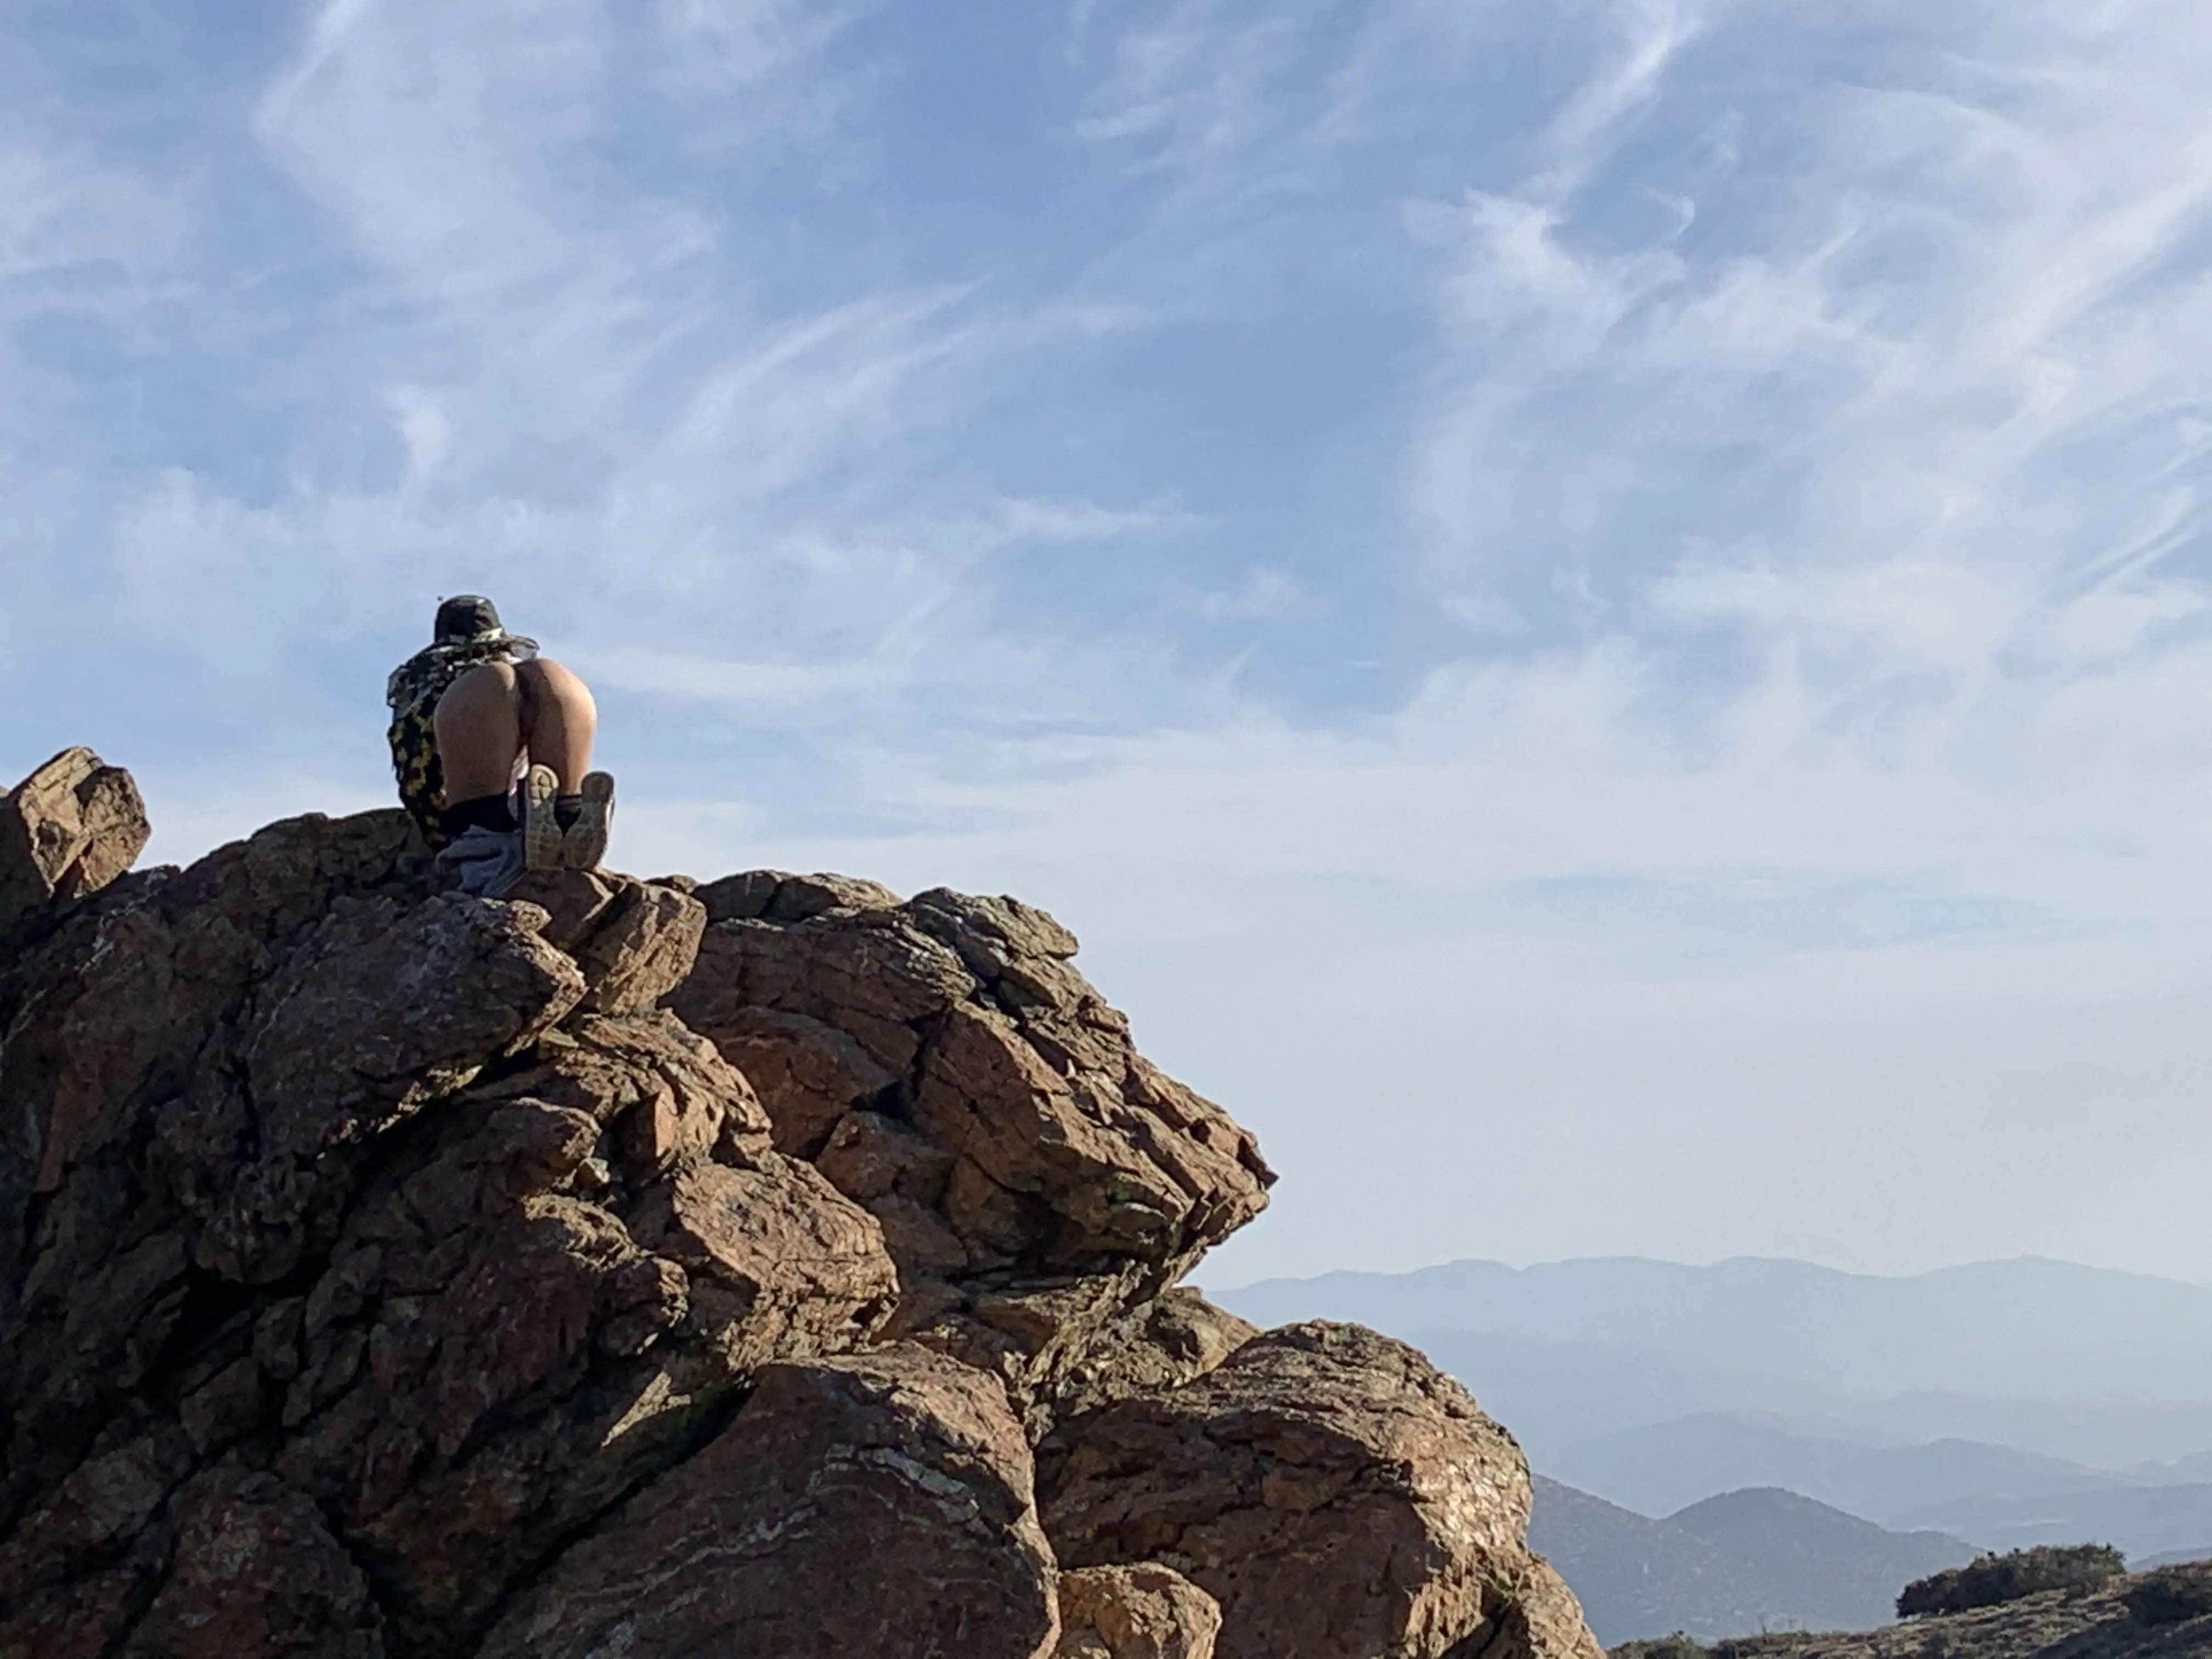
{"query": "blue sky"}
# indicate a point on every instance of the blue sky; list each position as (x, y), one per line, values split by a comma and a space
(1596, 609)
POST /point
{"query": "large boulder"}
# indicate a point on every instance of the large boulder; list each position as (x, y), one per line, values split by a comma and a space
(1337, 1495)
(877, 1504)
(69, 829)
(941, 1060)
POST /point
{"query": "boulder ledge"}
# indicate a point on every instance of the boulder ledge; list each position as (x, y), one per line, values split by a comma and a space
(769, 1268)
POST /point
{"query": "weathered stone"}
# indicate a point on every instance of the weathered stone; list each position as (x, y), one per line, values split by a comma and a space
(877, 1504)
(1163, 1344)
(809, 1074)
(742, 897)
(645, 1063)
(869, 1156)
(1337, 1495)
(779, 895)
(121, 1108)
(1070, 1343)
(79, 1619)
(490, 1360)
(92, 1515)
(1144, 1612)
(378, 1012)
(1537, 1617)
(634, 941)
(381, 1271)
(256, 1572)
(943, 1063)
(991, 934)
(67, 831)
(866, 973)
(988, 1096)
(574, 901)
(780, 1261)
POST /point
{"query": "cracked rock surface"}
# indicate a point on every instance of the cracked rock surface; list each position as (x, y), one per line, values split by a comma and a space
(1338, 1496)
(659, 1269)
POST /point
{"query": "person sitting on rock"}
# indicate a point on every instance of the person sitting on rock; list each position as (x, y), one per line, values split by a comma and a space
(491, 743)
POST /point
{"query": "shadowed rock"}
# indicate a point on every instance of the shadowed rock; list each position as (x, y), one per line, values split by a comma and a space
(256, 1572)
(877, 1504)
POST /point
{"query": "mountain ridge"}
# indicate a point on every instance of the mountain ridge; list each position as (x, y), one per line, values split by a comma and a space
(1734, 1565)
(2099, 1365)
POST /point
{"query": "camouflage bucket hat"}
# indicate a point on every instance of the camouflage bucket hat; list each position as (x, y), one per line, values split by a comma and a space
(468, 616)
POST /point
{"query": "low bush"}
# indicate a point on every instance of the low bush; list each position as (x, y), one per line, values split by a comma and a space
(2168, 1595)
(1768, 1644)
(1990, 1580)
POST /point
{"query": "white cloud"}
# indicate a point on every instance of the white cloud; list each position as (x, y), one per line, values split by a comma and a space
(1759, 457)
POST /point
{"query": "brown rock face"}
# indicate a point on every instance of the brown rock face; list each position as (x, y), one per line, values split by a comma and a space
(624, 1269)
(1146, 1612)
(409, 1210)
(70, 828)
(943, 1063)
(1339, 1497)
(876, 1505)
(256, 1572)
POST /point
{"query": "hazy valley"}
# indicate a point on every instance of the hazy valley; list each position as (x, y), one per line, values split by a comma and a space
(1857, 1430)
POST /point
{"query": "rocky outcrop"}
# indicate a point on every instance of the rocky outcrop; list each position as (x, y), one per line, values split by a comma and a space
(1039, 1182)
(1338, 1496)
(646, 1268)
(68, 830)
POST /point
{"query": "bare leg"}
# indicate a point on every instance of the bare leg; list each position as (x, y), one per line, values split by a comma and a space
(478, 724)
(558, 721)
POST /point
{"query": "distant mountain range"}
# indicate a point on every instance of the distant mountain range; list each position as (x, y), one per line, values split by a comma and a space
(1734, 1565)
(1662, 1467)
(2172, 1558)
(2147, 1522)
(2004, 1403)
(2041, 1339)
(1557, 1395)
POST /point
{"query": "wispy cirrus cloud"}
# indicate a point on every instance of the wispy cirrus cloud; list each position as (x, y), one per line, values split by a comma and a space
(1616, 587)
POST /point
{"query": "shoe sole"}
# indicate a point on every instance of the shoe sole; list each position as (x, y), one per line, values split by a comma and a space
(585, 843)
(542, 839)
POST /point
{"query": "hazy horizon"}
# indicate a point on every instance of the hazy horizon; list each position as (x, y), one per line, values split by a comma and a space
(1526, 1265)
(1598, 610)
(1996, 1400)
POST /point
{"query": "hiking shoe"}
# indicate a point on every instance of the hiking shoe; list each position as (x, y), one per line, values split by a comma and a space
(585, 842)
(541, 823)
(482, 863)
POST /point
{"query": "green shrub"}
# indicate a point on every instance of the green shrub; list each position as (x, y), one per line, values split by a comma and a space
(1990, 1580)
(1677, 1646)
(2168, 1595)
